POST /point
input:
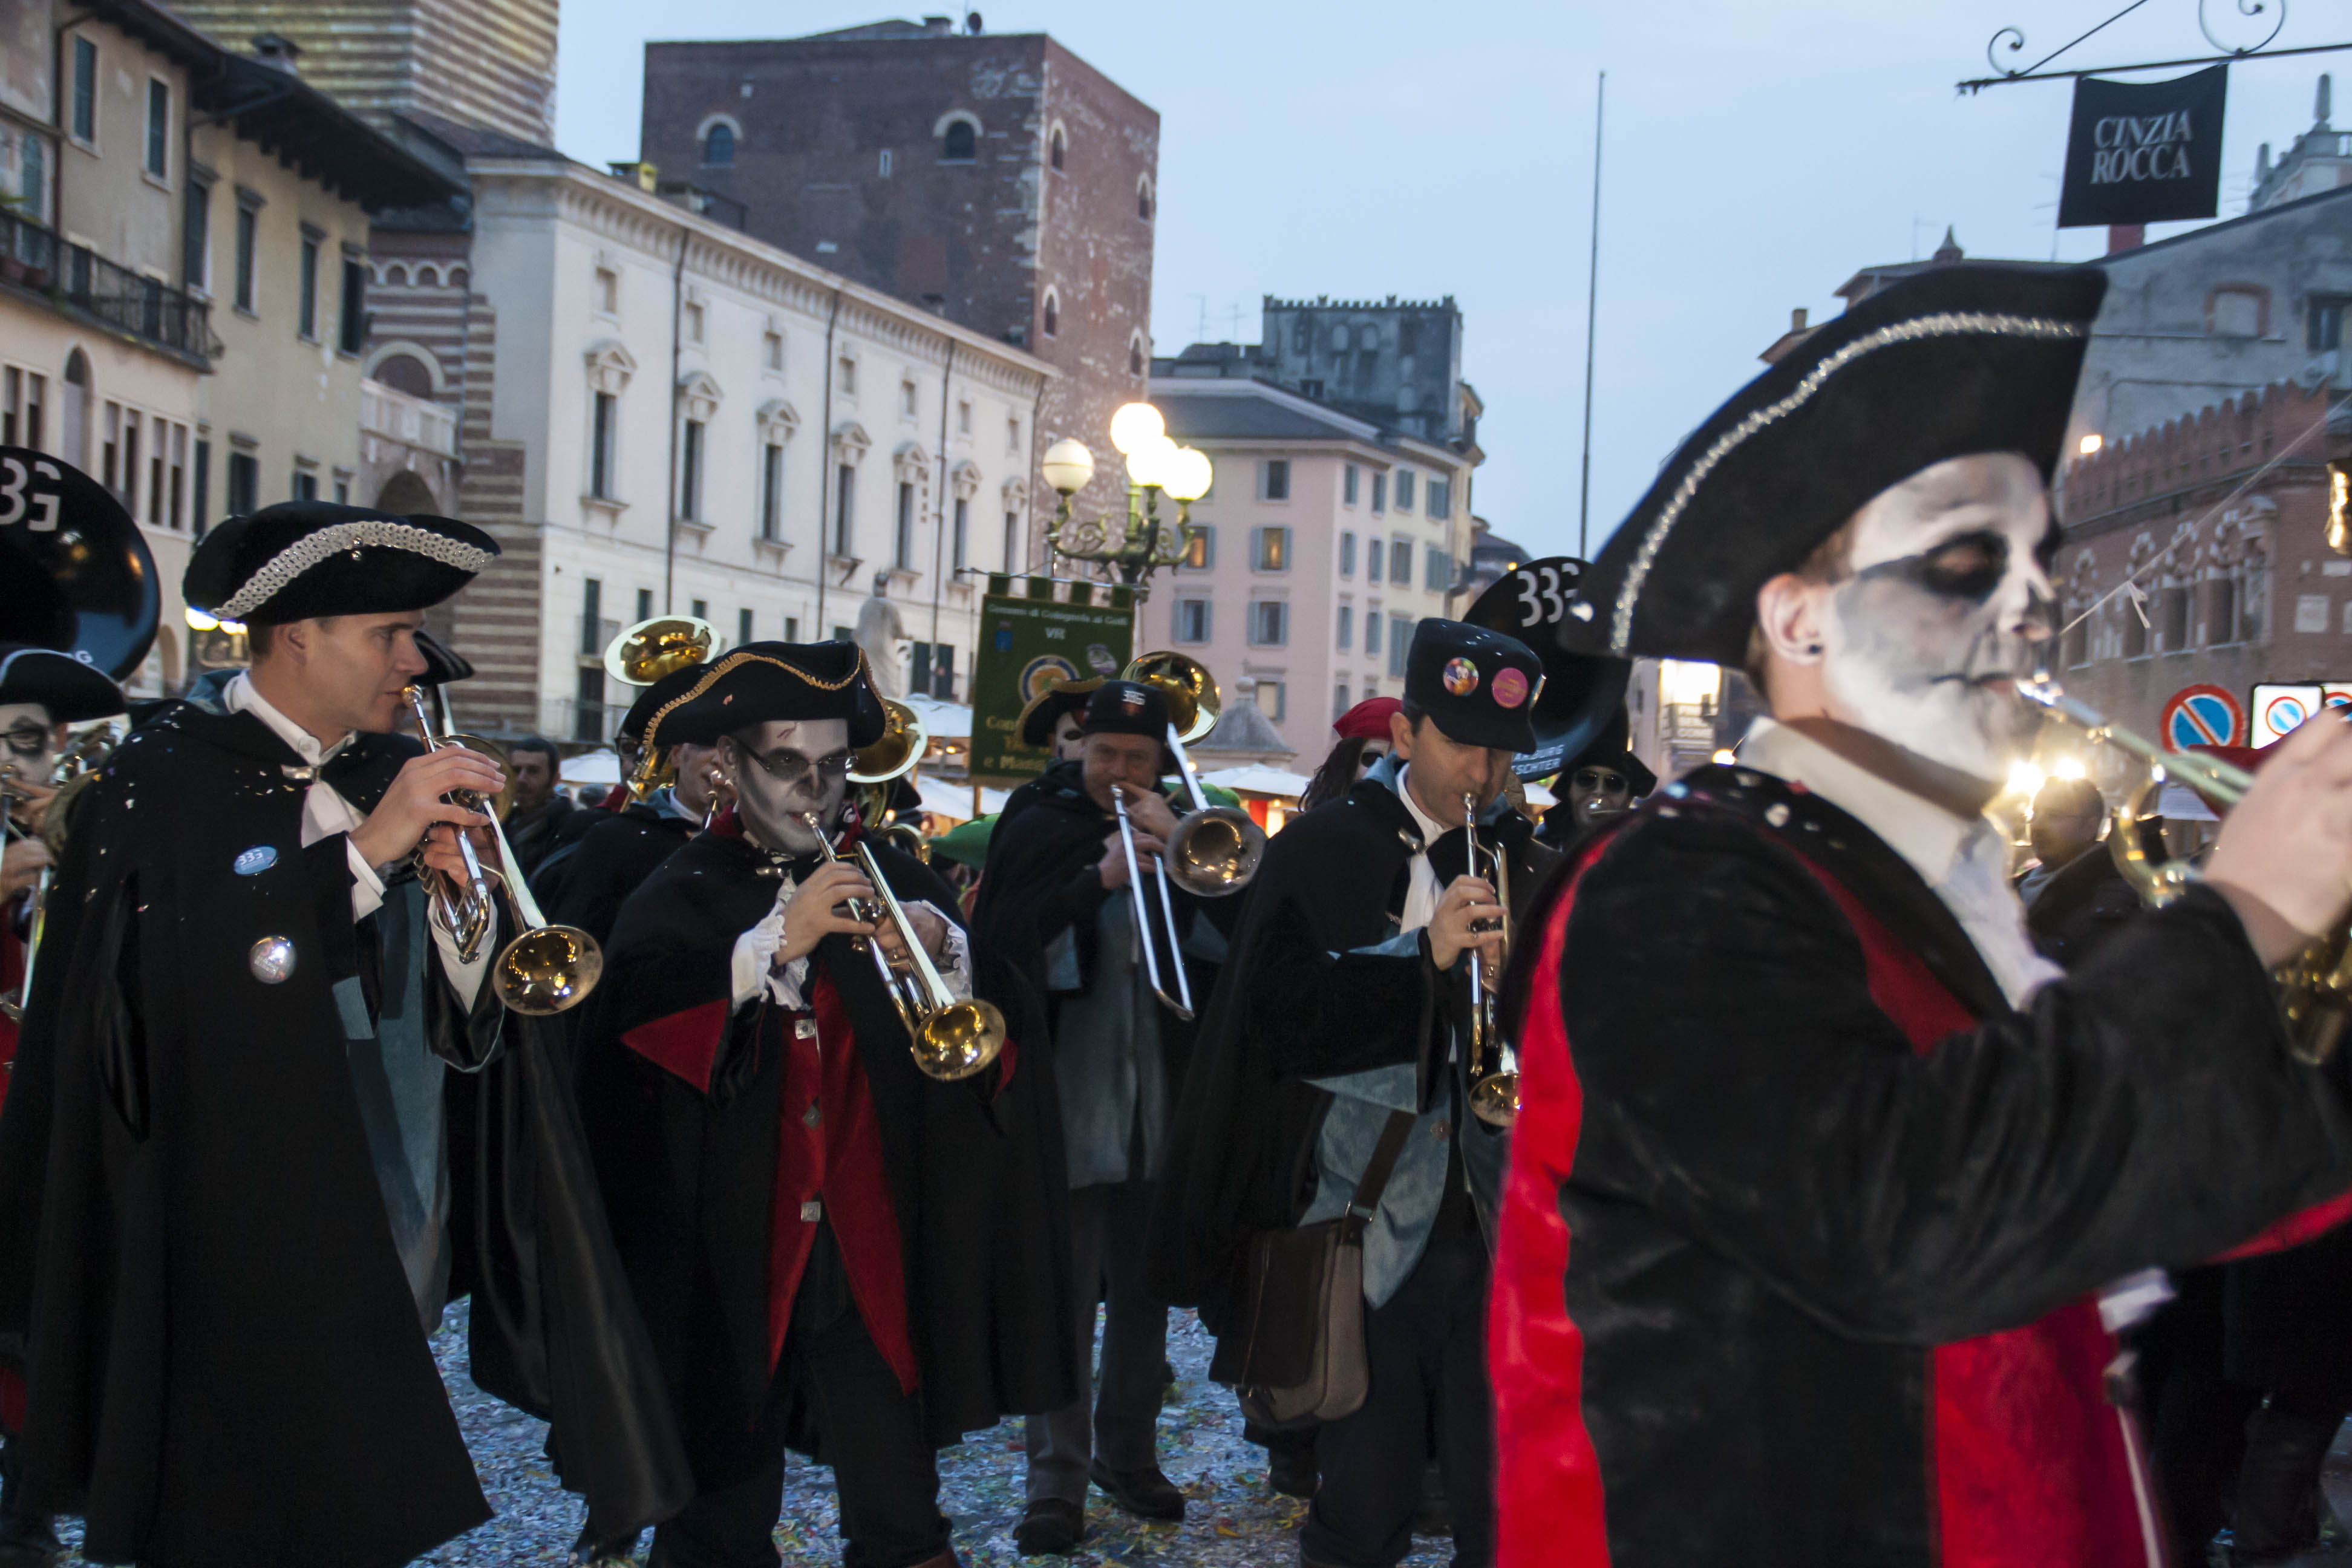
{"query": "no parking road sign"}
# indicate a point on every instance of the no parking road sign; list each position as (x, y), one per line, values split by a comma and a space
(2202, 716)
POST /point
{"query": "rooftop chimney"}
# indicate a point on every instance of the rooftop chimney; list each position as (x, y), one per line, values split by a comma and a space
(1797, 319)
(1949, 251)
(2321, 104)
(279, 52)
(940, 27)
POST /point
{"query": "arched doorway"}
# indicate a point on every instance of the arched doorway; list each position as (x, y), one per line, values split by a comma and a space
(73, 419)
(406, 493)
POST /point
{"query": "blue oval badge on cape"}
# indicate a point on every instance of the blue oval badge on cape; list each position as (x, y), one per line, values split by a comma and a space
(255, 860)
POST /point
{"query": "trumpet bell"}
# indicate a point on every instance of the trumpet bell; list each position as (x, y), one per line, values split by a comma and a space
(1215, 852)
(548, 970)
(959, 1041)
(897, 753)
(1194, 703)
(1494, 1099)
(663, 645)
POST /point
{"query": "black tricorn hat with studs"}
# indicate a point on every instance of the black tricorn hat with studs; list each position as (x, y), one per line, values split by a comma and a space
(764, 681)
(1960, 360)
(301, 560)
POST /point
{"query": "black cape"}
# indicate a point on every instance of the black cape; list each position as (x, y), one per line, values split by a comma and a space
(1239, 1154)
(223, 1354)
(975, 1172)
(585, 882)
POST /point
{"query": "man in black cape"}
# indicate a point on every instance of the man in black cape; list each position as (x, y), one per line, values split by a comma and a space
(585, 882)
(833, 1252)
(232, 1204)
(1827, 1190)
(1337, 1024)
(1057, 899)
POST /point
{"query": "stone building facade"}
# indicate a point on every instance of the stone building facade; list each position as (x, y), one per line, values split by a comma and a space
(2219, 521)
(490, 62)
(660, 414)
(997, 181)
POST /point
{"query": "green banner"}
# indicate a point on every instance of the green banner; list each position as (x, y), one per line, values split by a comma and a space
(1027, 645)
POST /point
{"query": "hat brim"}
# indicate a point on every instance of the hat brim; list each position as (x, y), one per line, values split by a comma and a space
(1042, 713)
(1957, 361)
(72, 691)
(309, 561)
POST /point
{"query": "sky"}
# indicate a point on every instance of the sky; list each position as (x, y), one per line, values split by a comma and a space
(1755, 156)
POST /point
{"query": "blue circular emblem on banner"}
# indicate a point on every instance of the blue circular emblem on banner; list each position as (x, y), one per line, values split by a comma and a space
(255, 860)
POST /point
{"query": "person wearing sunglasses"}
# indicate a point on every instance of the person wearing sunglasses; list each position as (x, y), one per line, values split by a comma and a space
(1600, 785)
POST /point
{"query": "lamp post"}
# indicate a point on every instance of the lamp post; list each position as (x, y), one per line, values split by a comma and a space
(1143, 544)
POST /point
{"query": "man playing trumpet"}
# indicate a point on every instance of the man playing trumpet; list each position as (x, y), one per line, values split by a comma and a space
(836, 1252)
(1821, 1167)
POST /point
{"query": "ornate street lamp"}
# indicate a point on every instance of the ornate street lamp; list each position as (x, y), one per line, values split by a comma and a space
(1155, 466)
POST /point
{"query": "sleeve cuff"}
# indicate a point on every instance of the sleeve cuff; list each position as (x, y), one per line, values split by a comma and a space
(955, 964)
(464, 979)
(367, 887)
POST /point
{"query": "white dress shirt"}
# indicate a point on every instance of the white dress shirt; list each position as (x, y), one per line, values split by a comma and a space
(1965, 860)
(324, 812)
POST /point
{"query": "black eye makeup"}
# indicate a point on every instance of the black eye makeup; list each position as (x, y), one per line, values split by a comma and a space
(1967, 566)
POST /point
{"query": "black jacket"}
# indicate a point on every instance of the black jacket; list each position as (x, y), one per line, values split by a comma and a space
(2084, 902)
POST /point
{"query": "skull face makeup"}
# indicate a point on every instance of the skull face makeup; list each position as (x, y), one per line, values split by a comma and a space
(783, 768)
(1945, 603)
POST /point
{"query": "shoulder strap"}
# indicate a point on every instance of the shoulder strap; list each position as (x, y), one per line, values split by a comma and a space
(1377, 1170)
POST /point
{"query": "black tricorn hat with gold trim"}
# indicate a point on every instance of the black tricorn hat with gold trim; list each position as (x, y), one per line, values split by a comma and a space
(1965, 359)
(764, 681)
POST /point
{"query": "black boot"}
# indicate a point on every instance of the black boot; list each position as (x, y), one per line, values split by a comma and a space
(2277, 1513)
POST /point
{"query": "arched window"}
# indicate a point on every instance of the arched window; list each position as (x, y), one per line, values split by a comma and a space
(961, 144)
(1057, 147)
(719, 146)
(1053, 314)
(1143, 199)
(1135, 356)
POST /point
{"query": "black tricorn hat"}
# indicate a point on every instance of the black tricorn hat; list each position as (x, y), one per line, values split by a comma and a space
(71, 689)
(764, 681)
(655, 697)
(1476, 685)
(1043, 711)
(443, 664)
(300, 560)
(1965, 359)
(1613, 748)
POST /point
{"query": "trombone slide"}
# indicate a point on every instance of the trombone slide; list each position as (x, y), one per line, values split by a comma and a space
(1179, 1003)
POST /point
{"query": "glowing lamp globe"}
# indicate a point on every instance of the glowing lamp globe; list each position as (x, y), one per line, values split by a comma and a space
(1150, 463)
(1135, 425)
(1068, 465)
(1188, 475)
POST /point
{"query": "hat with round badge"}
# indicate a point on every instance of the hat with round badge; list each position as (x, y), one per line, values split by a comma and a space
(301, 560)
(1478, 686)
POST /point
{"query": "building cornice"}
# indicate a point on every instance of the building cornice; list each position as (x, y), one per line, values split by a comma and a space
(612, 208)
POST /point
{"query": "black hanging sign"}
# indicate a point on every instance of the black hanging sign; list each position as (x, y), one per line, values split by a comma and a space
(2144, 151)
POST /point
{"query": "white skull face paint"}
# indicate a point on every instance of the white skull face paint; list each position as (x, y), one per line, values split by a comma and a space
(1946, 603)
(784, 769)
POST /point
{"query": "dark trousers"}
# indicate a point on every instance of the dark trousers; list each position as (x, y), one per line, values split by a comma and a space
(1109, 1225)
(2195, 1418)
(884, 1468)
(1427, 1349)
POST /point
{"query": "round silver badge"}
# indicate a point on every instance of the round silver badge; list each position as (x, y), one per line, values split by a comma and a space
(271, 959)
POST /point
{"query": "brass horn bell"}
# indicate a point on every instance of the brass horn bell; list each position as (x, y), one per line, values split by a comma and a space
(663, 645)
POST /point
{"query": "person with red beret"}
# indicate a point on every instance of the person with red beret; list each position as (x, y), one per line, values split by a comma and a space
(1363, 732)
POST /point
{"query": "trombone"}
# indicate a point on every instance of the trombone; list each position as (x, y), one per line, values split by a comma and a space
(2315, 985)
(1215, 849)
(547, 969)
(1179, 1003)
(951, 1039)
(1494, 1065)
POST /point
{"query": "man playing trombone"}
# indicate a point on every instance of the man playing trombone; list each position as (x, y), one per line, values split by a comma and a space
(232, 1206)
(1074, 895)
(842, 1232)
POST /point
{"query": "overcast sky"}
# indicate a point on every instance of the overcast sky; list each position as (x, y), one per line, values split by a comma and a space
(1757, 155)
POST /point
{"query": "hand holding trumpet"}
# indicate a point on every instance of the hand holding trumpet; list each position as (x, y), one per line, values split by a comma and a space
(1468, 916)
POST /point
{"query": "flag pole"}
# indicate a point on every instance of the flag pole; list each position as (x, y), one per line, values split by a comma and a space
(1591, 316)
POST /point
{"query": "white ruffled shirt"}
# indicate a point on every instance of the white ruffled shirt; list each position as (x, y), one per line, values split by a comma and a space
(324, 812)
(754, 966)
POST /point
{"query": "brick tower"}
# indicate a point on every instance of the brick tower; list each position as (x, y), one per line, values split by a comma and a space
(483, 62)
(997, 179)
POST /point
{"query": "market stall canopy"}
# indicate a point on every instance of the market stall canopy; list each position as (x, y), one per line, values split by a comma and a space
(1256, 778)
(942, 797)
(591, 768)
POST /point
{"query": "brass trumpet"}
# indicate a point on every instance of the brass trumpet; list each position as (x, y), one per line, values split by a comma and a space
(547, 969)
(2315, 985)
(951, 1039)
(1494, 1063)
(75, 767)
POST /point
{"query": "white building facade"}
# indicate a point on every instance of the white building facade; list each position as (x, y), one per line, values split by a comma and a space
(659, 414)
(1325, 542)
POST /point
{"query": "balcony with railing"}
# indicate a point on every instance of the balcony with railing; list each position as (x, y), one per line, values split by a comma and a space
(412, 421)
(77, 279)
